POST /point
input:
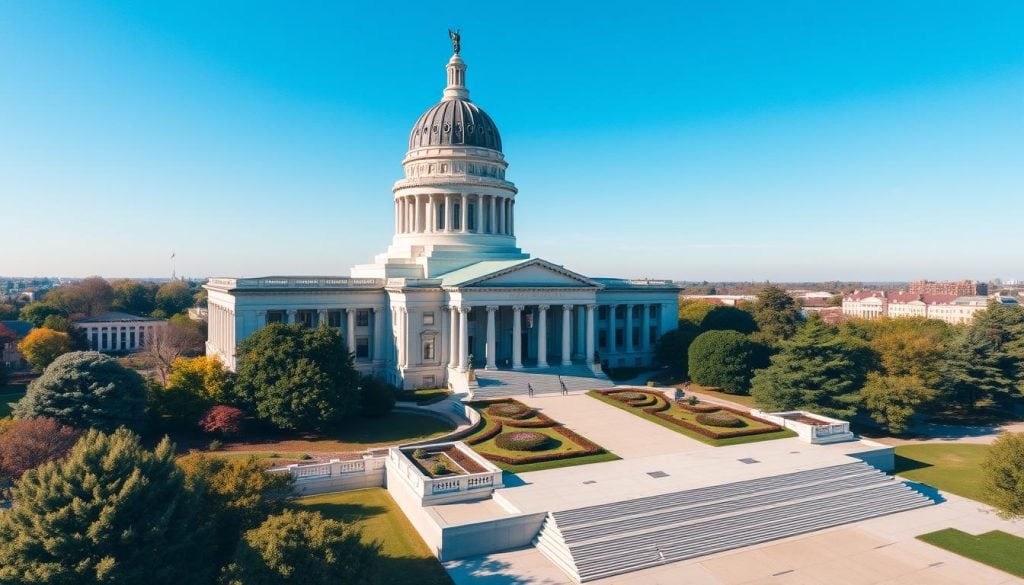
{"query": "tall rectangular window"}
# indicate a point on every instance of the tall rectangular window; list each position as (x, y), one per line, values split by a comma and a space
(456, 216)
(471, 217)
(362, 347)
(275, 317)
(362, 318)
(428, 349)
(334, 318)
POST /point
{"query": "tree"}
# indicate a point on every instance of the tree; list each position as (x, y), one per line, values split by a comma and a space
(79, 338)
(972, 370)
(813, 371)
(673, 347)
(86, 389)
(301, 547)
(910, 347)
(777, 315)
(132, 296)
(297, 377)
(88, 297)
(726, 360)
(892, 400)
(693, 311)
(41, 346)
(1003, 475)
(174, 297)
(193, 386)
(376, 397)
(170, 342)
(728, 319)
(27, 444)
(237, 496)
(111, 512)
(8, 312)
(1003, 325)
(37, 313)
(223, 419)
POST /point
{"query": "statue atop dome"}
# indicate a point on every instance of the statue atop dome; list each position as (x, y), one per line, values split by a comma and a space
(456, 40)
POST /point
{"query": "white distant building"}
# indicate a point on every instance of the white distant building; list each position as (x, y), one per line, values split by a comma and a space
(453, 292)
(948, 308)
(119, 332)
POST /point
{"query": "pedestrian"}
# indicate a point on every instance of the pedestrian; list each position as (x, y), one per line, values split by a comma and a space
(529, 389)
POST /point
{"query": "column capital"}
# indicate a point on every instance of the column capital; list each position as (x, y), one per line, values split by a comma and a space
(492, 308)
(567, 307)
(543, 307)
(629, 305)
(465, 309)
(591, 306)
(517, 308)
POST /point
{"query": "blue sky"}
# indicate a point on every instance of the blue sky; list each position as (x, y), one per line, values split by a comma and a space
(691, 140)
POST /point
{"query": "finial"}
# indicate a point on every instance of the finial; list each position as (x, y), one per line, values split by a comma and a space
(456, 40)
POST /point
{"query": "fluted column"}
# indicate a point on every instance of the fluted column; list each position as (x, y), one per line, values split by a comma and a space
(566, 335)
(378, 334)
(611, 329)
(464, 214)
(350, 331)
(291, 316)
(628, 332)
(517, 336)
(589, 341)
(491, 345)
(542, 336)
(464, 338)
(511, 217)
(479, 214)
(448, 213)
(580, 339)
(499, 228)
(493, 211)
(321, 317)
(645, 324)
(453, 350)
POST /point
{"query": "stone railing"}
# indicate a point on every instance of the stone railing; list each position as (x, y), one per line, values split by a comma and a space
(446, 489)
(823, 429)
(302, 282)
(337, 475)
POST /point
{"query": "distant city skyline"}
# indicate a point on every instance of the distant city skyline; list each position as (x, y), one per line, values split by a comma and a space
(801, 142)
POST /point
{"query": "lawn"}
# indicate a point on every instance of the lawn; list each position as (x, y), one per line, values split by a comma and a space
(996, 549)
(745, 400)
(955, 468)
(424, 396)
(676, 412)
(10, 394)
(405, 558)
(561, 450)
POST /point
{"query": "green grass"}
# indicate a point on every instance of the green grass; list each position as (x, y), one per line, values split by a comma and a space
(996, 549)
(9, 395)
(687, 432)
(955, 468)
(405, 558)
(743, 399)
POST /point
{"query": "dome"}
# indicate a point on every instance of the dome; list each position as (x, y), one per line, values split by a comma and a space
(455, 122)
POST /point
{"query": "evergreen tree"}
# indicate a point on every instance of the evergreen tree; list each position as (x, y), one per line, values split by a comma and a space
(672, 349)
(728, 319)
(813, 371)
(1003, 326)
(974, 369)
(725, 359)
(777, 315)
(1003, 475)
(892, 400)
(110, 513)
(86, 389)
(297, 377)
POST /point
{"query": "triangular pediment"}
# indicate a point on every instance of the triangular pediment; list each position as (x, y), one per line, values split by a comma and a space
(532, 273)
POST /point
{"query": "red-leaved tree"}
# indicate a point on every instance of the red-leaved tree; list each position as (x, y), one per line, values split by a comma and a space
(26, 444)
(226, 420)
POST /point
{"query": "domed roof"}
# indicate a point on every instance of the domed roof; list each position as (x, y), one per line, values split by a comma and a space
(455, 122)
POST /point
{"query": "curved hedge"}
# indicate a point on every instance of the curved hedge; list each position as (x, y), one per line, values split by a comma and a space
(522, 441)
(627, 395)
(719, 419)
(512, 410)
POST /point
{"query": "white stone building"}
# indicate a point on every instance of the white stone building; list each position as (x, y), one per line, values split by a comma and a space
(948, 308)
(119, 332)
(453, 292)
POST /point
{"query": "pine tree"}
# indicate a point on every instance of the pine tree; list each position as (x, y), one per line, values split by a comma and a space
(973, 370)
(111, 513)
(814, 371)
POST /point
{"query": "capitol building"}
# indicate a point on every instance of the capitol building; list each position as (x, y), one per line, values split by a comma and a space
(454, 301)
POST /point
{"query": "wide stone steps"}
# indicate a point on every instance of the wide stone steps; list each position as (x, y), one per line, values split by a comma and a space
(620, 537)
(500, 383)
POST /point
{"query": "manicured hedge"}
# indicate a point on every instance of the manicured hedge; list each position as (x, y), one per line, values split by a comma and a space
(720, 419)
(522, 441)
(537, 422)
(487, 434)
(707, 432)
(699, 407)
(626, 395)
(510, 409)
(659, 409)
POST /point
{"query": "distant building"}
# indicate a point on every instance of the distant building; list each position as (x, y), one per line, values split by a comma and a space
(727, 300)
(10, 357)
(944, 307)
(957, 288)
(119, 332)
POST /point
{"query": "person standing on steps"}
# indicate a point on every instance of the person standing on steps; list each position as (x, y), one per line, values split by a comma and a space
(529, 389)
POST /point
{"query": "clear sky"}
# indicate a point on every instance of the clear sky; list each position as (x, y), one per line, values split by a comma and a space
(871, 140)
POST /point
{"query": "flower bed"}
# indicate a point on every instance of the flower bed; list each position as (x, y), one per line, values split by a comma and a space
(699, 407)
(719, 419)
(510, 409)
(522, 441)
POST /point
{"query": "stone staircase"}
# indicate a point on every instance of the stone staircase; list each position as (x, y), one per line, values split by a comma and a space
(611, 539)
(498, 383)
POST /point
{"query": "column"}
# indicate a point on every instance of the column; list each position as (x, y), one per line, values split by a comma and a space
(479, 214)
(589, 340)
(378, 334)
(447, 214)
(321, 317)
(580, 340)
(494, 215)
(350, 331)
(464, 213)
(453, 352)
(542, 336)
(491, 345)
(428, 214)
(499, 228)
(403, 358)
(511, 217)
(464, 338)
(645, 324)
(398, 220)
(289, 312)
(517, 336)
(611, 329)
(628, 332)
(566, 335)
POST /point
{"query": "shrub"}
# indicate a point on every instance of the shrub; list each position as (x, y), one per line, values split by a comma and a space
(652, 384)
(42, 346)
(719, 419)
(376, 397)
(1003, 475)
(490, 430)
(226, 420)
(627, 396)
(215, 445)
(537, 421)
(439, 468)
(695, 406)
(725, 359)
(692, 400)
(512, 409)
(305, 457)
(522, 441)
(419, 454)
(27, 444)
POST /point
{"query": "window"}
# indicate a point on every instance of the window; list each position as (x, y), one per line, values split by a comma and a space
(620, 312)
(305, 317)
(428, 318)
(456, 216)
(104, 338)
(428, 349)
(618, 337)
(142, 337)
(602, 312)
(602, 339)
(471, 221)
(334, 318)
(275, 317)
(440, 216)
(472, 317)
(362, 347)
(124, 338)
(131, 338)
(362, 318)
